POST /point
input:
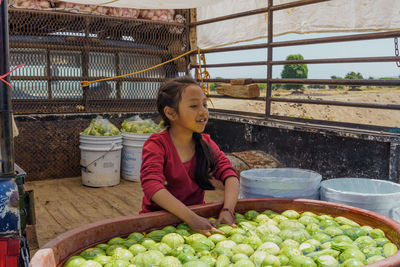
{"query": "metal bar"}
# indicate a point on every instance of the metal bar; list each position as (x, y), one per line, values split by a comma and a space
(345, 38)
(269, 60)
(336, 103)
(257, 11)
(395, 82)
(305, 61)
(6, 133)
(79, 78)
(48, 70)
(78, 47)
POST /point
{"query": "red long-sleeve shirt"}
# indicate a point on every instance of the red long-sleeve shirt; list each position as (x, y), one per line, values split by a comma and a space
(162, 168)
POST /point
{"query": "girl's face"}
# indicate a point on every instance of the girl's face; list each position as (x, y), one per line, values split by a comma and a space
(192, 114)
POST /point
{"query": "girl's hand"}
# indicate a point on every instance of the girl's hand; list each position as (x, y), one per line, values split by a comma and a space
(226, 216)
(203, 226)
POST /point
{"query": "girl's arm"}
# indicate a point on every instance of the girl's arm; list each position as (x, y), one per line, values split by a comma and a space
(230, 199)
(170, 203)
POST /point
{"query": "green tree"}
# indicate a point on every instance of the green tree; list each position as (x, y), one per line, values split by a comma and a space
(334, 86)
(294, 71)
(213, 86)
(354, 76)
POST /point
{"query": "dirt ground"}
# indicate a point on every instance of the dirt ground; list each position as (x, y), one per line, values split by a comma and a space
(387, 117)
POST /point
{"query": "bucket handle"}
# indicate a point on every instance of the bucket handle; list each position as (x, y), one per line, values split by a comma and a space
(85, 168)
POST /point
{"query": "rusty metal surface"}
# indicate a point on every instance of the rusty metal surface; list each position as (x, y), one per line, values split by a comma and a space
(60, 50)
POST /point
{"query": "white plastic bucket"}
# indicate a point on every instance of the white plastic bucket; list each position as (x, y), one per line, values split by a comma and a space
(280, 182)
(132, 155)
(376, 195)
(100, 160)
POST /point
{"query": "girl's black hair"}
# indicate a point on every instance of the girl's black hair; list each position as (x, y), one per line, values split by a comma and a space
(169, 95)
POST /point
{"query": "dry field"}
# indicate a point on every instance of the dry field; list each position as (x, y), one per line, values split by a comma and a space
(387, 117)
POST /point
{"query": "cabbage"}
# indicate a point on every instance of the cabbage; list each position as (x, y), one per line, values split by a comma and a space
(367, 228)
(381, 241)
(222, 261)
(271, 238)
(239, 216)
(313, 228)
(290, 252)
(169, 229)
(147, 243)
(267, 229)
(163, 248)
(251, 214)
(243, 248)
(237, 238)
(253, 240)
(183, 249)
(330, 252)
(226, 244)
(190, 239)
(129, 242)
(314, 242)
(300, 261)
(327, 261)
(261, 218)
(344, 221)
(247, 226)
(290, 224)
(279, 218)
(90, 263)
(222, 251)
(75, 261)
(136, 249)
(283, 259)
(321, 237)
(237, 231)
(202, 244)
(116, 241)
(343, 246)
(110, 249)
(102, 259)
(326, 223)
(203, 253)
(208, 259)
(122, 254)
(377, 233)
(186, 257)
(269, 248)
(352, 253)
(306, 220)
(307, 247)
(271, 260)
(374, 259)
(333, 231)
(244, 263)
(173, 240)
(239, 256)
(270, 213)
(182, 232)
(183, 226)
(372, 251)
(196, 263)
(352, 263)
(102, 246)
(342, 239)
(118, 263)
(354, 232)
(136, 236)
(299, 235)
(364, 241)
(227, 229)
(215, 238)
(389, 249)
(258, 257)
(308, 213)
(170, 261)
(326, 245)
(92, 253)
(290, 243)
(290, 214)
(324, 217)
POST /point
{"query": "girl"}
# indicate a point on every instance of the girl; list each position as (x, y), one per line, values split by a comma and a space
(178, 163)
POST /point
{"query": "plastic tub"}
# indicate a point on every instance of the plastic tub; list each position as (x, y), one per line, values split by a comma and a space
(280, 182)
(376, 195)
(57, 251)
(100, 160)
(132, 155)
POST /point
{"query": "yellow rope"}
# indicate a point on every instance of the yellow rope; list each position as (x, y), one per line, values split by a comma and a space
(87, 83)
(204, 74)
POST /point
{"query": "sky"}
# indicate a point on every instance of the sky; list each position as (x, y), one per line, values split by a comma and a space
(369, 48)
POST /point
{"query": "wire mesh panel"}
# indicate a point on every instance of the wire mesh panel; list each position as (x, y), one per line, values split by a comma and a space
(60, 50)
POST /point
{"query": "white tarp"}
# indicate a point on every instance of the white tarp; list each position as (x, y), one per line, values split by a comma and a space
(331, 16)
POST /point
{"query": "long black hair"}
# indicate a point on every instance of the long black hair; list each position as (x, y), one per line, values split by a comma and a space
(169, 95)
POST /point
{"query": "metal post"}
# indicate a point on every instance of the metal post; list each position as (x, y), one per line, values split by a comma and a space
(6, 134)
(269, 60)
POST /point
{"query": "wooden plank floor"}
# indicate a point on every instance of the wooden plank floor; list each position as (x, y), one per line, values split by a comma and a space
(64, 204)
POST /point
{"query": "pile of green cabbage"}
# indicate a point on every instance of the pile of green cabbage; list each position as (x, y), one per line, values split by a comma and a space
(101, 127)
(139, 126)
(261, 239)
